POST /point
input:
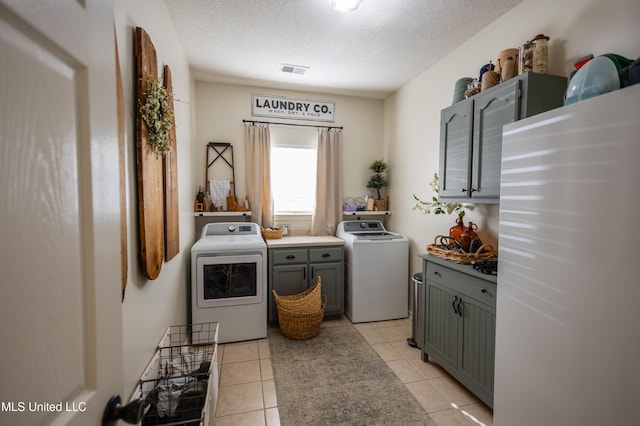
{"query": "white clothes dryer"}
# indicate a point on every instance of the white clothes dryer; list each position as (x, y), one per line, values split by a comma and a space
(229, 280)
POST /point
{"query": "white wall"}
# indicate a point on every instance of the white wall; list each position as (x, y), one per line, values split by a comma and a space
(222, 107)
(151, 306)
(412, 115)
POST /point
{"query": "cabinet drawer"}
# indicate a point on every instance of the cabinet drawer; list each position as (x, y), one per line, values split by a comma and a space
(479, 289)
(325, 254)
(283, 257)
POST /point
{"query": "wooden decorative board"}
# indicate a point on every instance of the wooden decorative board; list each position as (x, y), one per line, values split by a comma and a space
(123, 182)
(149, 167)
(170, 175)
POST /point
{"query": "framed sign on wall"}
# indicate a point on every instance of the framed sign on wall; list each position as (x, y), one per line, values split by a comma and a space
(291, 108)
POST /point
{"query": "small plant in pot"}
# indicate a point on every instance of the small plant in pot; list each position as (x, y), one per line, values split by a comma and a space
(377, 182)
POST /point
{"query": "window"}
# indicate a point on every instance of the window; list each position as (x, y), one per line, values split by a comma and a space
(293, 169)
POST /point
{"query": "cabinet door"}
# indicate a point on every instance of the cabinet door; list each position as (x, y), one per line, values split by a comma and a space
(491, 111)
(478, 345)
(455, 149)
(442, 323)
(331, 275)
(287, 280)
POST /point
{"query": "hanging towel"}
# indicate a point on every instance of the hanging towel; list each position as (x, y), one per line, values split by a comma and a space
(219, 190)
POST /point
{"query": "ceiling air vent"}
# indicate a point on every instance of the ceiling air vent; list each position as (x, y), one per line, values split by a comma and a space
(294, 69)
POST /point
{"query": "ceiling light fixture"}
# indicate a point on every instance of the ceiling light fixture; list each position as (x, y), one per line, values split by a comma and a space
(345, 5)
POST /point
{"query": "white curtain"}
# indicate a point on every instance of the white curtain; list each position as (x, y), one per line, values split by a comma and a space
(328, 209)
(257, 149)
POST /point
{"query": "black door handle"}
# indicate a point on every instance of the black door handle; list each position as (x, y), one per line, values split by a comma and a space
(131, 413)
(453, 305)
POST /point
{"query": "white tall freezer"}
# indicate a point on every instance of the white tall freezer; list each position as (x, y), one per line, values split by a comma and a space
(568, 301)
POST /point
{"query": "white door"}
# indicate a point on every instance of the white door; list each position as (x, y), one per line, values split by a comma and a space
(60, 292)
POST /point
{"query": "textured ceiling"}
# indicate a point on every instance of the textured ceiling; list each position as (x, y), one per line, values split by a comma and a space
(370, 52)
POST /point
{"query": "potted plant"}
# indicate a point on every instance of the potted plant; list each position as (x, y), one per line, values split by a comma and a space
(377, 182)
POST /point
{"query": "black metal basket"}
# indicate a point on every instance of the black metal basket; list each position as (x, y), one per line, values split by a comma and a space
(176, 382)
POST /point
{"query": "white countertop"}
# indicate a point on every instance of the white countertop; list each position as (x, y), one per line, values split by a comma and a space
(304, 241)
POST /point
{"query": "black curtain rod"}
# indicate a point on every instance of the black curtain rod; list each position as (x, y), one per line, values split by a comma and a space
(292, 124)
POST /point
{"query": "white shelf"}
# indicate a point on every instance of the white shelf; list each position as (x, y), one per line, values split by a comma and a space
(367, 213)
(222, 214)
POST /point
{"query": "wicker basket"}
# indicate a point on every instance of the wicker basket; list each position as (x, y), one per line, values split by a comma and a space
(484, 253)
(300, 325)
(380, 205)
(308, 301)
(272, 234)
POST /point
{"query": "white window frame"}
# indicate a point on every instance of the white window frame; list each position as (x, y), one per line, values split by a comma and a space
(296, 138)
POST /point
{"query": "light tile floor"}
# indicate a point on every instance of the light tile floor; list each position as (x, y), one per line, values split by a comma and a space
(247, 394)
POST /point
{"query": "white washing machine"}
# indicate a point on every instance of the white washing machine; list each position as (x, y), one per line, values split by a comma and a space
(376, 271)
(229, 280)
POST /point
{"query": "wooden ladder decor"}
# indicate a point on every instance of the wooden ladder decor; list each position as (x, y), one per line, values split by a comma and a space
(220, 148)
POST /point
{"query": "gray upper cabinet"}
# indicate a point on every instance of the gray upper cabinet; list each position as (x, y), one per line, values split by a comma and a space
(471, 133)
(490, 112)
(456, 128)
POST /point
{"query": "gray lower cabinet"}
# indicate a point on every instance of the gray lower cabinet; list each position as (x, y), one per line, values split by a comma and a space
(293, 270)
(460, 323)
(471, 133)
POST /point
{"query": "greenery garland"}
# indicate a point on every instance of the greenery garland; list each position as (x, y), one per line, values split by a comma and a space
(439, 207)
(156, 113)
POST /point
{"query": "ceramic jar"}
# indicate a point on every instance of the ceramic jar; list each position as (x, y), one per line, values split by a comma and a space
(508, 64)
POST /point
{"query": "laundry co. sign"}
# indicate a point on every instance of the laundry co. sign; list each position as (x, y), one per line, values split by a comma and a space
(301, 109)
